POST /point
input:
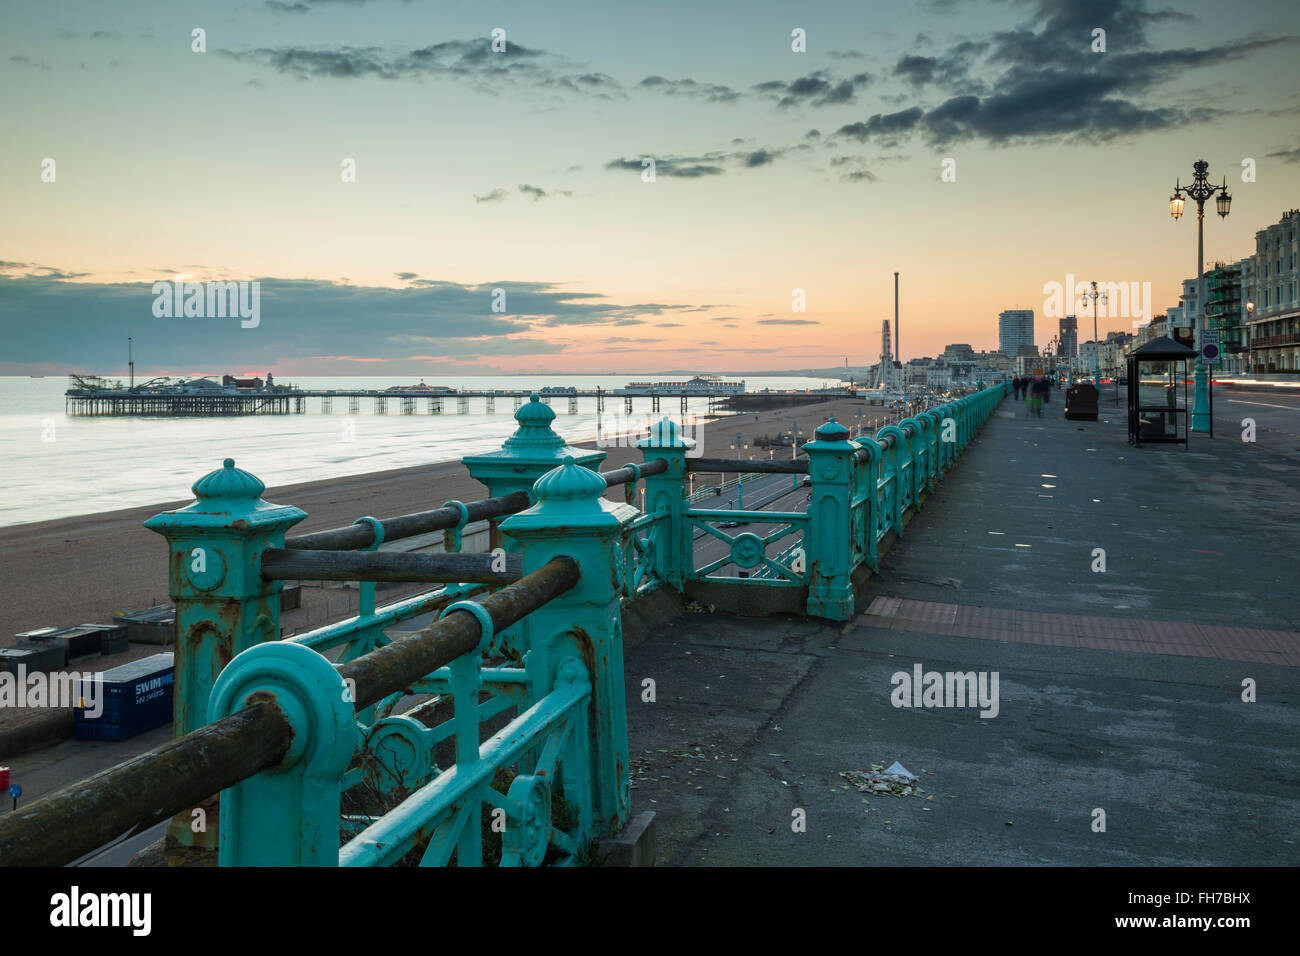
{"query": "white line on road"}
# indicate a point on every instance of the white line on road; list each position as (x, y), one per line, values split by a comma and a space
(1291, 408)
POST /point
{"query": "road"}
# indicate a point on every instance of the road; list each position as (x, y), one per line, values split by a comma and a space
(1276, 418)
(768, 493)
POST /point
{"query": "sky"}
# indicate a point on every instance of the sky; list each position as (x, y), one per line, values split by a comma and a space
(410, 200)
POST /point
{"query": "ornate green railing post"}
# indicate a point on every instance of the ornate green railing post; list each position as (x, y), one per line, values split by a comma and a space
(223, 605)
(893, 457)
(828, 548)
(532, 451)
(914, 429)
(666, 494)
(573, 518)
(865, 487)
(288, 815)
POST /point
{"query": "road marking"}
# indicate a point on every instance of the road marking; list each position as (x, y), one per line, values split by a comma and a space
(1237, 401)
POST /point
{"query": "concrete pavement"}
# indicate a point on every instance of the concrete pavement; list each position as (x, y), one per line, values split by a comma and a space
(755, 720)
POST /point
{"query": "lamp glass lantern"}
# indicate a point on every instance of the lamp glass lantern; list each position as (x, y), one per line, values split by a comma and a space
(1223, 202)
(1176, 206)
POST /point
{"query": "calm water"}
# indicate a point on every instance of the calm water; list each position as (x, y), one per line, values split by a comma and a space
(53, 466)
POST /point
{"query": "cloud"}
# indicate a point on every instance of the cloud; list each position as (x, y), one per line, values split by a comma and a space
(537, 192)
(495, 195)
(883, 124)
(20, 59)
(818, 88)
(1286, 155)
(788, 322)
(707, 164)
(683, 167)
(1044, 82)
(406, 276)
(471, 61)
(854, 169)
(709, 92)
(48, 319)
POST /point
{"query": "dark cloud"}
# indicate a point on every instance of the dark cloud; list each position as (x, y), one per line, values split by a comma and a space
(683, 167)
(406, 276)
(471, 61)
(883, 124)
(1044, 82)
(818, 88)
(707, 164)
(788, 322)
(495, 195)
(709, 92)
(296, 315)
(1286, 155)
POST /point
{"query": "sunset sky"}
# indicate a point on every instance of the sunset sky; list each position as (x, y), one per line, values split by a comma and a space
(475, 170)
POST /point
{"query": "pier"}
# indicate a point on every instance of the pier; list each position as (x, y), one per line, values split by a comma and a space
(83, 399)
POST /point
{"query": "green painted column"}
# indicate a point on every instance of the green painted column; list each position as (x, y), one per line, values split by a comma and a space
(532, 451)
(572, 517)
(223, 605)
(666, 494)
(1200, 397)
(288, 816)
(828, 548)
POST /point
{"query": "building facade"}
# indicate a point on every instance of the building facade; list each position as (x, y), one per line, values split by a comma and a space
(1225, 310)
(1273, 328)
(1015, 330)
(1067, 344)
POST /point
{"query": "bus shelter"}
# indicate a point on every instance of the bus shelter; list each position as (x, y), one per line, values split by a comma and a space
(1156, 370)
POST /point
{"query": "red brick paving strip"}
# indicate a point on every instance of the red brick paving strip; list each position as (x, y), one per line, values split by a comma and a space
(1178, 638)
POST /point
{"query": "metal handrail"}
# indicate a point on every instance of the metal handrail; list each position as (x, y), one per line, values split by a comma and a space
(354, 537)
(279, 564)
(83, 816)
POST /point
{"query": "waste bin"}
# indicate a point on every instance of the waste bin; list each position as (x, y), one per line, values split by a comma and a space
(1081, 402)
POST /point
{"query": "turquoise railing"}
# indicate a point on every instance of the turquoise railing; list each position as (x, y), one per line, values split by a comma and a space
(520, 753)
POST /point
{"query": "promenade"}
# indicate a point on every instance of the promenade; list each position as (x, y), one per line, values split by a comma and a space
(1119, 691)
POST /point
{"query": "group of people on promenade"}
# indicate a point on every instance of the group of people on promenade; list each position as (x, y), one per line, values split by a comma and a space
(1038, 391)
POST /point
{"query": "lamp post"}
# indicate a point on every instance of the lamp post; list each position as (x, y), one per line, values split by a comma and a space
(1096, 346)
(1200, 190)
(1245, 338)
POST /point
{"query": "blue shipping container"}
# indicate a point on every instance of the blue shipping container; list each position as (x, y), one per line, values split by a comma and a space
(133, 697)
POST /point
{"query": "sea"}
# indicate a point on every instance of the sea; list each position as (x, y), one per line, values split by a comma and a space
(56, 466)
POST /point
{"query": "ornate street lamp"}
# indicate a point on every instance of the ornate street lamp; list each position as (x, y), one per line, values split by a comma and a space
(1096, 345)
(1200, 190)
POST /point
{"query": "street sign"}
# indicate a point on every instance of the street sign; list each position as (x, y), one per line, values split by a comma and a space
(1210, 351)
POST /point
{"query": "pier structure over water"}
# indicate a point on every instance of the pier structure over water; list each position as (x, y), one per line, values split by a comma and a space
(88, 397)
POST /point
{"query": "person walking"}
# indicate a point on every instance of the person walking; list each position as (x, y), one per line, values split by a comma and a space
(1015, 387)
(1038, 392)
